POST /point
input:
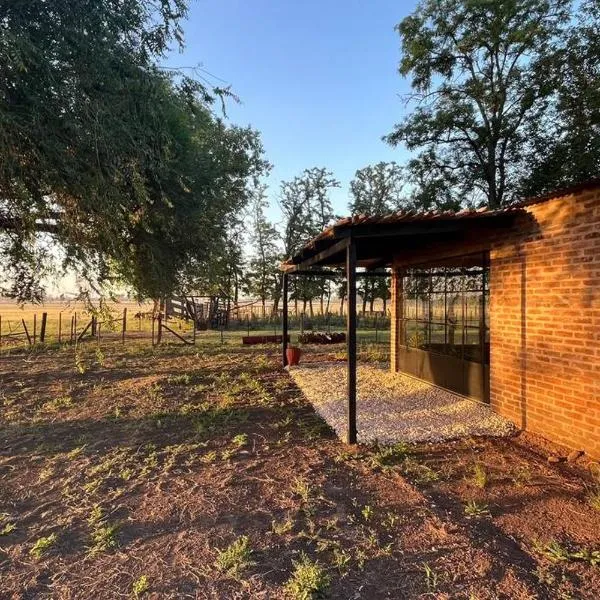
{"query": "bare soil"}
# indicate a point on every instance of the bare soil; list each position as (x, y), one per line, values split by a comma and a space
(126, 471)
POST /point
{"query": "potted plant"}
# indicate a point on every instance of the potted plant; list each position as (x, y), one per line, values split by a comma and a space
(293, 354)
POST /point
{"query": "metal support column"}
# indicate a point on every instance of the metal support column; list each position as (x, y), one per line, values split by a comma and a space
(351, 339)
(284, 327)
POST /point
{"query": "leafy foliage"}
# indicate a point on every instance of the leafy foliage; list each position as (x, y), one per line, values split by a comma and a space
(123, 165)
(480, 72)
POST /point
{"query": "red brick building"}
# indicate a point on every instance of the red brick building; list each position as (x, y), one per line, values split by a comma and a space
(501, 306)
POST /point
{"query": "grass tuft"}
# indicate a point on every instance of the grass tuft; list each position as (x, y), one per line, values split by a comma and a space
(479, 477)
(140, 586)
(235, 558)
(308, 581)
(42, 545)
(474, 509)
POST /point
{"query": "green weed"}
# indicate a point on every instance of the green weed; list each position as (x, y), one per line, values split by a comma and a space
(140, 586)
(431, 577)
(235, 558)
(80, 364)
(593, 499)
(100, 358)
(341, 560)
(240, 440)
(367, 513)
(104, 535)
(7, 529)
(42, 545)
(420, 473)
(390, 456)
(308, 581)
(301, 488)
(282, 527)
(183, 379)
(479, 478)
(556, 552)
(474, 509)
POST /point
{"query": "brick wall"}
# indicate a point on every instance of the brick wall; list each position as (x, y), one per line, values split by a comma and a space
(545, 321)
(544, 317)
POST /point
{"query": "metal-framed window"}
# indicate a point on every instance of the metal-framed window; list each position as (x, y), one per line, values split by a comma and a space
(446, 309)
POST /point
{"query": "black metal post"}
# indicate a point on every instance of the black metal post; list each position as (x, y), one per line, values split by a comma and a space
(284, 326)
(351, 339)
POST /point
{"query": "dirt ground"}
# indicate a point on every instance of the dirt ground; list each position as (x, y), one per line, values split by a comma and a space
(204, 473)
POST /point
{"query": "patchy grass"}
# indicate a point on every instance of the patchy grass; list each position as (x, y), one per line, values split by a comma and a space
(180, 472)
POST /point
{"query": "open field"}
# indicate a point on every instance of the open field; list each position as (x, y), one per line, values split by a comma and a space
(202, 472)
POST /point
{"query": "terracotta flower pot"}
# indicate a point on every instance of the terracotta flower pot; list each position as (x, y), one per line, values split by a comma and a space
(293, 355)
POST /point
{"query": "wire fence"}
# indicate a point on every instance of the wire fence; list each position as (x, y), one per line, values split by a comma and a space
(75, 327)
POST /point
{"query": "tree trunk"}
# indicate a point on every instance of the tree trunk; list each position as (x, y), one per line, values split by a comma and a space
(342, 306)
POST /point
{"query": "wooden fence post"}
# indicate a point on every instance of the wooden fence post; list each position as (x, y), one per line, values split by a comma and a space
(26, 331)
(75, 326)
(159, 332)
(34, 328)
(43, 327)
(71, 338)
(124, 325)
(93, 326)
(153, 319)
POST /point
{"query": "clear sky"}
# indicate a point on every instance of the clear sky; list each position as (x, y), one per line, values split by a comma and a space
(318, 79)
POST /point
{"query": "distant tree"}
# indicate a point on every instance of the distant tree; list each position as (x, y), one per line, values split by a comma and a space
(262, 275)
(480, 72)
(377, 189)
(306, 206)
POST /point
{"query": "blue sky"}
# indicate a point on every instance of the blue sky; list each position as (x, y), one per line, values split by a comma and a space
(319, 80)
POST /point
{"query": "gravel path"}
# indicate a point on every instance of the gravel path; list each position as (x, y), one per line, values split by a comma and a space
(393, 407)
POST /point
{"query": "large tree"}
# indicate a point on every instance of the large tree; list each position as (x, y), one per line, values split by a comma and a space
(565, 149)
(126, 167)
(481, 74)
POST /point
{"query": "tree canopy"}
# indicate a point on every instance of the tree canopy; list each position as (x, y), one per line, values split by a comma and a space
(482, 77)
(125, 166)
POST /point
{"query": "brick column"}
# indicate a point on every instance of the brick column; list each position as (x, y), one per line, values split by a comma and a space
(395, 314)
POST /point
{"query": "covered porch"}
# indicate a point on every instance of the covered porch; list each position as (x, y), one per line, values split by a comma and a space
(438, 381)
